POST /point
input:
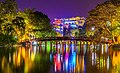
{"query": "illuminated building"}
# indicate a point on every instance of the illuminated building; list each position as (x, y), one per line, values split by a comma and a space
(69, 26)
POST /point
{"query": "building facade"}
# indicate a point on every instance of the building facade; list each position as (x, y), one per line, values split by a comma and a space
(69, 27)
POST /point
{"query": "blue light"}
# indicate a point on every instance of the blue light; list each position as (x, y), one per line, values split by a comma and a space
(73, 26)
(74, 59)
(70, 62)
(58, 57)
(72, 47)
(51, 57)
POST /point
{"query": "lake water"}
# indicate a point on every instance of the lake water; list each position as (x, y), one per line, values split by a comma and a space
(60, 57)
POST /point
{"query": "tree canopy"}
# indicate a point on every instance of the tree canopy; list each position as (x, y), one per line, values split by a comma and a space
(114, 1)
(42, 27)
(24, 24)
(105, 18)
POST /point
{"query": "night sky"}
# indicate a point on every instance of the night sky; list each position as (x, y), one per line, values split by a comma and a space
(60, 8)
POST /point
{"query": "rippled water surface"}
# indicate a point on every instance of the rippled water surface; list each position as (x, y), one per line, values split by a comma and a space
(60, 57)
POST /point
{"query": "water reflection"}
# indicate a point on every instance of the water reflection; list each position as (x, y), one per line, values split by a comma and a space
(60, 57)
(24, 60)
(116, 61)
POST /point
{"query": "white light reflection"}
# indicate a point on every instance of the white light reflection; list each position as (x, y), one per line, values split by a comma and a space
(85, 48)
(66, 45)
(72, 45)
(55, 67)
(66, 61)
(91, 46)
(106, 48)
(66, 64)
(34, 48)
(94, 58)
(29, 52)
(98, 47)
(34, 43)
(61, 57)
(58, 57)
(58, 46)
(9, 57)
(102, 48)
(108, 64)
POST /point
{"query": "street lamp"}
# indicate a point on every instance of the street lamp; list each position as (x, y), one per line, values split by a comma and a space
(93, 28)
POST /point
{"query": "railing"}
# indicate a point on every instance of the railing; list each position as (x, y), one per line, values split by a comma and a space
(67, 38)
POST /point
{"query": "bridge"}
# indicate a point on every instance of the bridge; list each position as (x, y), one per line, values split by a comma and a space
(67, 38)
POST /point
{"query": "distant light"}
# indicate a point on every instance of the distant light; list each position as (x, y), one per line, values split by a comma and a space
(108, 23)
(57, 29)
(74, 26)
(93, 28)
(106, 39)
(15, 36)
(102, 37)
(34, 43)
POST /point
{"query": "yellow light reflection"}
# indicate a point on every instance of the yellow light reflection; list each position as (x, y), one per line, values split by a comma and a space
(23, 52)
(32, 56)
(6, 68)
(116, 62)
(23, 55)
(18, 59)
(80, 64)
(116, 58)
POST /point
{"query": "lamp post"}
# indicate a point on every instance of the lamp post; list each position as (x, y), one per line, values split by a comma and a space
(108, 24)
(93, 28)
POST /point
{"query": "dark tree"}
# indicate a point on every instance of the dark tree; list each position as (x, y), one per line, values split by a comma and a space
(42, 25)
